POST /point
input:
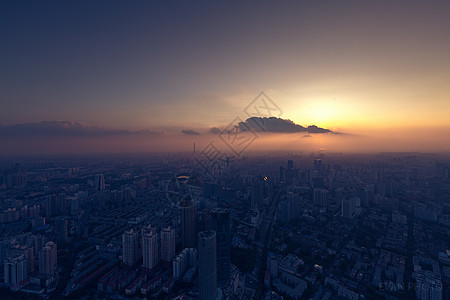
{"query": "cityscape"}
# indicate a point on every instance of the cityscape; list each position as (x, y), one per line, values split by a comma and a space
(297, 226)
(237, 150)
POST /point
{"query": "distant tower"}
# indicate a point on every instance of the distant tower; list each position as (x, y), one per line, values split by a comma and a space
(221, 224)
(48, 259)
(130, 247)
(194, 147)
(207, 265)
(187, 217)
(150, 247)
(167, 244)
(99, 182)
(15, 270)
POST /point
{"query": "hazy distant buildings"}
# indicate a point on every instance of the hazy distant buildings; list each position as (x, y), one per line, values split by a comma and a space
(167, 244)
(130, 247)
(207, 265)
(187, 218)
(48, 259)
(221, 221)
(15, 270)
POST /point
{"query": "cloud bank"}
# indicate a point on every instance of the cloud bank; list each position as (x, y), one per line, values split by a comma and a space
(278, 125)
(189, 132)
(65, 128)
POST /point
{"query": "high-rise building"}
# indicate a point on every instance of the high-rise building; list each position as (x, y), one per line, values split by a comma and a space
(167, 244)
(320, 197)
(187, 217)
(207, 265)
(15, 269)
(61, 229)
(221, 221)
(62, 204)
(99, 182)
(48, 258)
(51, 206)
(185, 259)
(74, 205)
(129, 247)
(206, 220)
(282, 174)
(257, 195)
(28, 252)
(363, 195)
(348, 207)
(285, 210)
(150, 248)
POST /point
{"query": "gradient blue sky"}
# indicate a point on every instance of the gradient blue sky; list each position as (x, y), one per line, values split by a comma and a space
(149, 65)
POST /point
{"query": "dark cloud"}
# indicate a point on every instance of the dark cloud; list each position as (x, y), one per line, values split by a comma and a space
(215, 130)
(190, 132)
(278, 125)
(64, 128)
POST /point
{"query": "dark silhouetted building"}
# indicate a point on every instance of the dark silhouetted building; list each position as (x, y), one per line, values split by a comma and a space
(207, 265)
(187, 218)
(221, 224)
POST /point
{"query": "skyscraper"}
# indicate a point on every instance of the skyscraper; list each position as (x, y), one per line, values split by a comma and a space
(348, 207)
(221, 224)
(99, 182)
(257, 194)
(320, 197)
(61, 229)
(62, 204)
(167, 244)
(129, 247)
(51, 206)
(15, 269)
(207, 265)
(48, 259)
(150, 248)
(187, 217)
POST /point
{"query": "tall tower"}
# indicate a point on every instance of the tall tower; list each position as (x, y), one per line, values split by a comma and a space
(221, 221)
(150, 249)
(187, 218)
(207, 265)
(129, 247)
(48, 259)
(167, 244)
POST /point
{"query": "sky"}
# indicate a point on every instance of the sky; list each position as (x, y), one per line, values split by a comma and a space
(147, 71)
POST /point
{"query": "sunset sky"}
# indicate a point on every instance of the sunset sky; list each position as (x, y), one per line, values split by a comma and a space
(379, 70)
